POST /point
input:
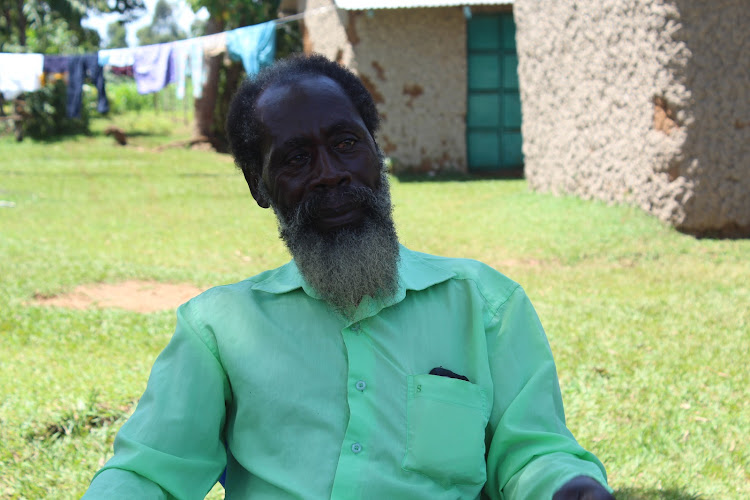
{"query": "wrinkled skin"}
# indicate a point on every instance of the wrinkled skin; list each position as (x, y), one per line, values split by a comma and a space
(315, 146)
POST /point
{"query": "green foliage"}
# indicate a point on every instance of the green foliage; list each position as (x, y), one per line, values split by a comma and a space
(116, 35)
(56, 36)
(198, 27)
(46, 113)
(231, 14)
(123, 96)
(55, 26)
(163, 27)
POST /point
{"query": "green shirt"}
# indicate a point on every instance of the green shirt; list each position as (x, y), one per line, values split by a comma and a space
(261, 377)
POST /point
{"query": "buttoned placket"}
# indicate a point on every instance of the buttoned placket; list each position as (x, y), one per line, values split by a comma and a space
(360, 384)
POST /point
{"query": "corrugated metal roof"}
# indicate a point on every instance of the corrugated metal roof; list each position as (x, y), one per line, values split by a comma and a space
(411, 4)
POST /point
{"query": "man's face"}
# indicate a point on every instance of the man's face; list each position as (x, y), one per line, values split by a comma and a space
(315, 147)
(324, 178)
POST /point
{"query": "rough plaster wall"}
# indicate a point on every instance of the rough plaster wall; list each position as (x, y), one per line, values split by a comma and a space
(609, 100)
(325, 33)
(717, 149)
(413, 61)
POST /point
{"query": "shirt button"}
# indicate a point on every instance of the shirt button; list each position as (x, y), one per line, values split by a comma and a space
(356, 448)
(360, 385)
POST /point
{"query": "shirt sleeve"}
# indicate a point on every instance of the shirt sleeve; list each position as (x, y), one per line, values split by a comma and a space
(531, 451)
(172, 446)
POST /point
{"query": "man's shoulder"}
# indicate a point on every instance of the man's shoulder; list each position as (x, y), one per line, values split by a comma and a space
(279, 278)
(461, 267)
(491, 283)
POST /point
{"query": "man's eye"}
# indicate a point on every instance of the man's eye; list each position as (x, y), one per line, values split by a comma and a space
(345, 144)
(297, 159)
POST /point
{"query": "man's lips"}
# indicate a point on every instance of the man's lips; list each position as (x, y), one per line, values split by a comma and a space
(336, 208)
(338, 213)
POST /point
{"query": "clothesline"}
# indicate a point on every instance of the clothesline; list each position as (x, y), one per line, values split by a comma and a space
(154, 66)
(296, 17)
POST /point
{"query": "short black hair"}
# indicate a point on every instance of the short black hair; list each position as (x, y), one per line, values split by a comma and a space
(243, 125)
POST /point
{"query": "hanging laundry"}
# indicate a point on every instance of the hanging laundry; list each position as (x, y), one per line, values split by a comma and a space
(120, 58)
(188, 56)
(254, 45)
(55, 64)
(80, 68)
(214, 45)
(153, 67)
(20, 73)
(122, 70)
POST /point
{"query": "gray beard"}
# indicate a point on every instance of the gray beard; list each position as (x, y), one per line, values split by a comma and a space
(347, 264)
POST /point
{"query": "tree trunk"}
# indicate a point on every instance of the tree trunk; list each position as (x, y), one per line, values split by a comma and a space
(21, 24)
(7, 14)
(206, 104)
(231, 79)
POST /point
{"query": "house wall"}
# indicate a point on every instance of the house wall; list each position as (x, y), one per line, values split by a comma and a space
(413, 61)
(717, 150)
(641, 102)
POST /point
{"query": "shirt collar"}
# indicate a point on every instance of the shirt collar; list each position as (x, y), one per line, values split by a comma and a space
(415, 273)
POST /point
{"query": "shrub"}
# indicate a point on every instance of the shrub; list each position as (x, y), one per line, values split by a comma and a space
(45, 113)
(123, 97)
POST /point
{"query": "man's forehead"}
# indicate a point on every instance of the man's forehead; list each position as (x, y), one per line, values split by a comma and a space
(303, 106)
(303, 89)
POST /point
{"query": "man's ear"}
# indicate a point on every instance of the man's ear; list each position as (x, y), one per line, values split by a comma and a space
(253, 181)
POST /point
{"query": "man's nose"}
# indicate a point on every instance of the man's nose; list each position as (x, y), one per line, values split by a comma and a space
(330, 173)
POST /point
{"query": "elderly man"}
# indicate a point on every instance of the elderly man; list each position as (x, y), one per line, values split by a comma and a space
(360, 369)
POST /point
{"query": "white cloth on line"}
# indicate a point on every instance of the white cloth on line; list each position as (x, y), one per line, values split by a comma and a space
(20, 73)
(116, 57)
(215, 44)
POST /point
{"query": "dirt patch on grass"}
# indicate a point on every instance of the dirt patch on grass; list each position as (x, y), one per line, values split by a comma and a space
(133, 295)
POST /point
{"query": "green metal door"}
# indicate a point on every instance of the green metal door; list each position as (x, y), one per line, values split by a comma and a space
(493, 123)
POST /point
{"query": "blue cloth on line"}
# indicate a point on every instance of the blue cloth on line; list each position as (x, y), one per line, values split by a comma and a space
(153, 67)
(55, 64)
(254, 45)
(79, 68)
(188, 57)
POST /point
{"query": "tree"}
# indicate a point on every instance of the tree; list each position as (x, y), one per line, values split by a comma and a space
(55, 25)
(223, 80)
(117, 35)
(163, 27)
(198, 27)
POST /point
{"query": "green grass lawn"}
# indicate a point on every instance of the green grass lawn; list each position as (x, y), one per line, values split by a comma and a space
(650, 328)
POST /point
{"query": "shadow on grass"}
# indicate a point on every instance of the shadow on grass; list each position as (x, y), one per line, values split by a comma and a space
(654, 494)
(140, 133)
(57, 138)
(53, 139)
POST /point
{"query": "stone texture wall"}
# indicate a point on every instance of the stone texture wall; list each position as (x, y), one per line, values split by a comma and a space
(413, 61)
(640, 101)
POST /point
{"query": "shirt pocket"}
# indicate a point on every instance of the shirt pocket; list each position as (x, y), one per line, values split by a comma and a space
(445, 429)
